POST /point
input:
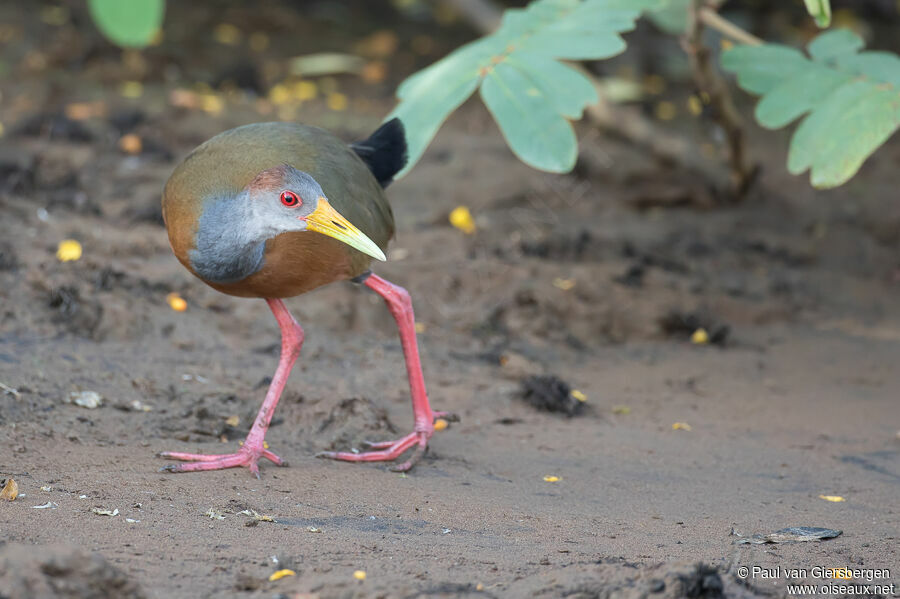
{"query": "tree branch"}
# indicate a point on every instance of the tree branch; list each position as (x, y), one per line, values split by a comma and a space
(709, 17)
(716, 92)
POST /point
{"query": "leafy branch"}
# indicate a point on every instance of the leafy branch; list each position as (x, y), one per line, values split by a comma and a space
(851, 100)
(529, 92)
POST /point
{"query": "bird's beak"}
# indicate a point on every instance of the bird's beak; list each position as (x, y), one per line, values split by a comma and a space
(327, 221)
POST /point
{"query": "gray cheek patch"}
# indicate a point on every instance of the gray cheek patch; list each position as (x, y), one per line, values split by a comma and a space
(229, 247)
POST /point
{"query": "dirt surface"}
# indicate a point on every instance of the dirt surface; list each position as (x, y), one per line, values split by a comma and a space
(596, 278)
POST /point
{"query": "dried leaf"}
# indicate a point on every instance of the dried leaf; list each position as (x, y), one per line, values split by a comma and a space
(832, 498)
(10, 490)
(281, 574)
(257, 516)
(793, 534)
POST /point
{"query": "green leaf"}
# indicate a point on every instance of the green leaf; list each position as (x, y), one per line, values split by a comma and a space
(535, 131)
(820, 10)
(880, 66)
(794, 97)
(564, 87)
(852, 100)
(129, 23)
(575, 47)
(760, 68)
(672, 17)
(835, 43)
(521, 57)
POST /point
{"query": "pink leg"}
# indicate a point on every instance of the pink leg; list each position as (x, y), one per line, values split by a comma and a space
(253, 448)
(400, 306)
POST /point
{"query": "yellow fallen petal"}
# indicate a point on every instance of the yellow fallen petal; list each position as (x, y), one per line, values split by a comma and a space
(10, 490)
(564, 284)
(337, 101)
(226, 33)
(265, 444)
(279, 94)
(700, 337)
(374, 72)
(440, 424)
(176, 302)
(281, 574)
(421, 327)
(832, 498)
(839, 573)
(681, 426)
(462, 219)
(131, 89)
(131, 144)
(695, 106)
(212, 104)
(305, 90)
(68, 250)
(551, 479)
(359, 575)
(233, 420)
(622, 410)
(579, 395)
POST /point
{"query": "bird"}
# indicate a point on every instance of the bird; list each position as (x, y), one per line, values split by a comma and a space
(273, 210)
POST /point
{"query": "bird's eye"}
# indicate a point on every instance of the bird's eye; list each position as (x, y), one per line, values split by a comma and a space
(290, 199)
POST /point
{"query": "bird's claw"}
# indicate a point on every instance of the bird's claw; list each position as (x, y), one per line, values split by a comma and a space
(246, 456)
(448, 416)
(386, 451)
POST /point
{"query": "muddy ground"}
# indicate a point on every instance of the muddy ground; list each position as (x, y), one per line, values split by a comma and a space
(598, 278)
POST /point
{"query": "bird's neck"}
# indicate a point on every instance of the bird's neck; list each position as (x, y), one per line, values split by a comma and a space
(229, 245)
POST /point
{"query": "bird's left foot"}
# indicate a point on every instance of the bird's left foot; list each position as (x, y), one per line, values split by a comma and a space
(245, 456)
(386, 451)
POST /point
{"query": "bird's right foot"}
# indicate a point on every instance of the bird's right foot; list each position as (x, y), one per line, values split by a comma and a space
(245, 456)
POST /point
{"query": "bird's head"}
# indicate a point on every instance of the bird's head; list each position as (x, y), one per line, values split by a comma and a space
(287, 199)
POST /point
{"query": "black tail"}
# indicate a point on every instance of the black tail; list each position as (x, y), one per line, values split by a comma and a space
(385, 151)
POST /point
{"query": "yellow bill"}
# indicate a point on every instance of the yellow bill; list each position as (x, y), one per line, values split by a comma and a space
(327, 221)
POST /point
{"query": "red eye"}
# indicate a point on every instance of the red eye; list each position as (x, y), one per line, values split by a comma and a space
(290, 199)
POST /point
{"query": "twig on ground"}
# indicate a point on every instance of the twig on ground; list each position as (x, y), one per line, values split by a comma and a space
(10, 390)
